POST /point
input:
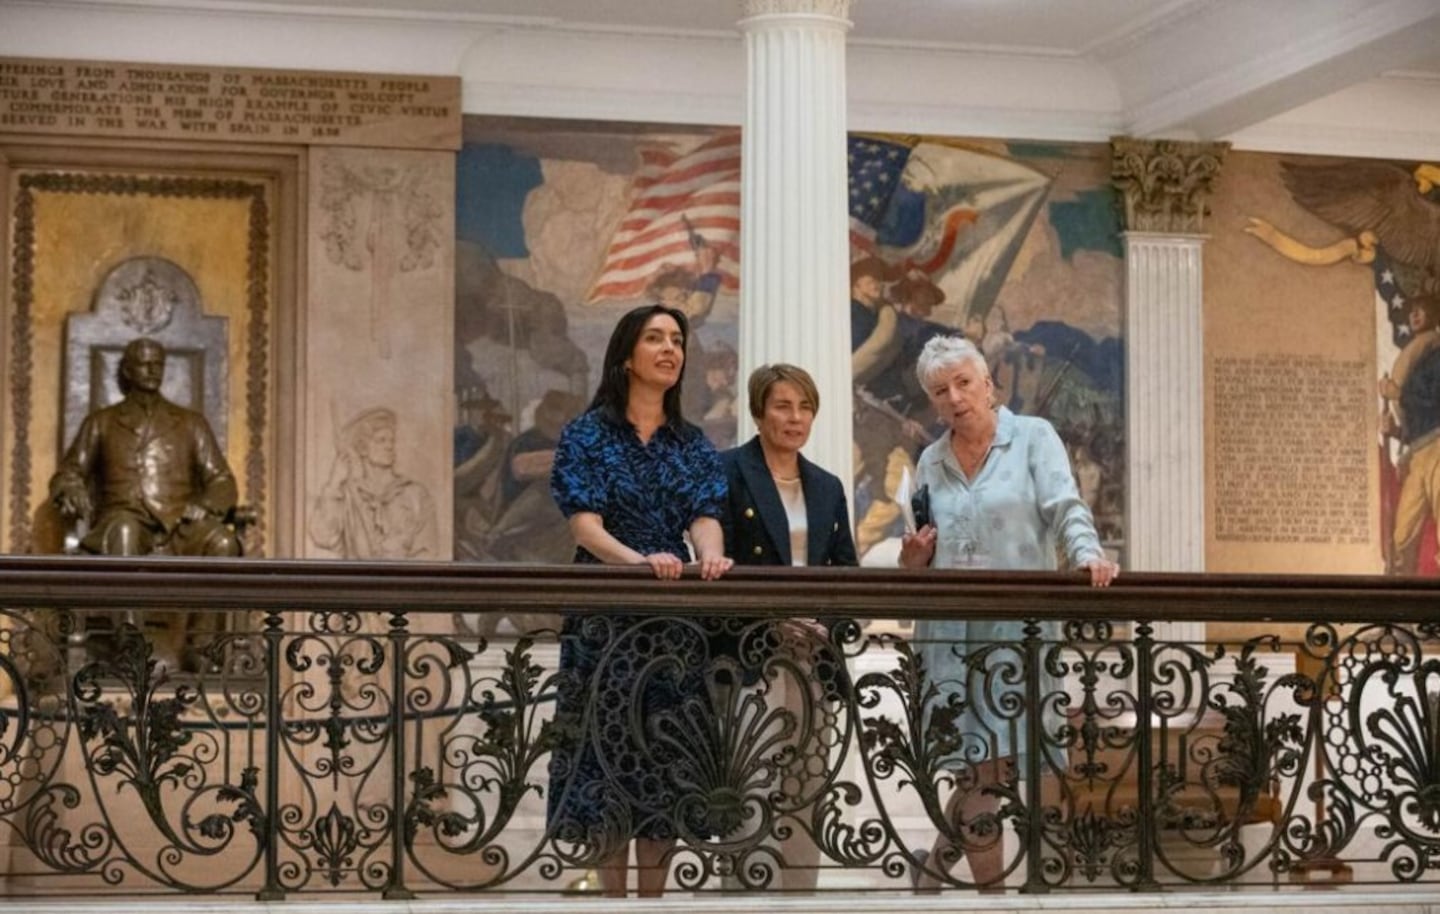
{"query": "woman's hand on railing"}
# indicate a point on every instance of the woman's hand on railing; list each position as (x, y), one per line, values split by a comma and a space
(713, 566)
(1102, 572)
(917, 550)
(667, 567)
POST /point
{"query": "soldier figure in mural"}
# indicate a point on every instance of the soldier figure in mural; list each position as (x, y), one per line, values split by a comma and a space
(147, 475)
(1411, 394)
(528, 527)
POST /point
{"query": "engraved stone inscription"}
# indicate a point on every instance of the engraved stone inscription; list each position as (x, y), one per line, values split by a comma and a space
(238, 104)
(1290, 450)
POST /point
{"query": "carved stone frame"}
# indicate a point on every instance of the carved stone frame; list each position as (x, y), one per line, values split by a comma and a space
(271, 264)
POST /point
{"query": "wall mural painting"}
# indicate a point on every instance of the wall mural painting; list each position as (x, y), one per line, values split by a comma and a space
(1017, 247)
(1390, 216)
(565, 225)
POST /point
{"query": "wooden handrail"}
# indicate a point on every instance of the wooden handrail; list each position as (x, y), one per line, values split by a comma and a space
(97, 582)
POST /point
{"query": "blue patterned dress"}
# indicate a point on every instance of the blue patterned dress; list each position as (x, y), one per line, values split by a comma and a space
(606, 776)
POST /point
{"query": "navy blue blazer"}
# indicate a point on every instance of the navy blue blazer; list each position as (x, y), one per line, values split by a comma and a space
(757, 530)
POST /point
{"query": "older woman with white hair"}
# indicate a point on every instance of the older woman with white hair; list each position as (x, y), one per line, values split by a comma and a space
(1002, 496)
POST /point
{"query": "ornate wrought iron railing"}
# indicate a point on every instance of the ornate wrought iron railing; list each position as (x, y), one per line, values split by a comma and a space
(372, 728)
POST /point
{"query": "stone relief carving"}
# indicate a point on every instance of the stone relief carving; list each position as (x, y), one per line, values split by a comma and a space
(383, 217)
(366, 509)
(1165, 184)
(147, 304)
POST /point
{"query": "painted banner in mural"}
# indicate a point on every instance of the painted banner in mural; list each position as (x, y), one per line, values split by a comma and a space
(563, 226)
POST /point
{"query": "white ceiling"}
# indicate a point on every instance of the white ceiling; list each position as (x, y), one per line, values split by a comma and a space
(1203, 69)
(1094, 28)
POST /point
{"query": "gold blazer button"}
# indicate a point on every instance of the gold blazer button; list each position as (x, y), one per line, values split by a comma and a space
(749, 512)
(758, 550)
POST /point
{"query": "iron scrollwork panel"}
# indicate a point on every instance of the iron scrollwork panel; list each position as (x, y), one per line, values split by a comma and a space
(766, 748)
(1376, 703)
(120, 770)
(724, 735)
(334, 822)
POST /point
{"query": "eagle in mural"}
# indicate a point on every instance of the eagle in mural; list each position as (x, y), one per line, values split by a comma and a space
(1381, 204)
(1400, 209)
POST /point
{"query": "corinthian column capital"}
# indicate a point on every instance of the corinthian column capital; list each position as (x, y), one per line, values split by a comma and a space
(834, 9)
(1165, 184)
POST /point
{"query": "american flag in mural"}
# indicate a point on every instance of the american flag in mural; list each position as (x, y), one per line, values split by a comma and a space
(677, 197)
(954, 214)
(1387, 290)
(875, 166)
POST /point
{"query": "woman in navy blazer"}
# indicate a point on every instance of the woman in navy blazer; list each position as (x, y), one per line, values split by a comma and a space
(784, 510)
(768, 471)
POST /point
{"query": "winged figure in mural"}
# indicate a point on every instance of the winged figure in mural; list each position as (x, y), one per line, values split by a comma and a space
(1392, 217)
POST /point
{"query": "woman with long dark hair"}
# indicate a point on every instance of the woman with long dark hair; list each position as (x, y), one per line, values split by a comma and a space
(633, 478)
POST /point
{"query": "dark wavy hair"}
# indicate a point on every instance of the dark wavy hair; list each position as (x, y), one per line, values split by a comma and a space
(613, 394)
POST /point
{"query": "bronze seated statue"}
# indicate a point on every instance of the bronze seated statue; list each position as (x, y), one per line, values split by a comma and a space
(146, 476)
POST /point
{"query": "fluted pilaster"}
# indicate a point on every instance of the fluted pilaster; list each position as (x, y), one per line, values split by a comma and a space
(794, 285)
(1165, 187)
(1165, 402)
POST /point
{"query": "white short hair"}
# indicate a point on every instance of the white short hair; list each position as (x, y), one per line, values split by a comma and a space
(942, 352)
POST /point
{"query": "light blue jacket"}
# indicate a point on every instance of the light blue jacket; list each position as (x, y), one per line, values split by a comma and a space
(1020, 505)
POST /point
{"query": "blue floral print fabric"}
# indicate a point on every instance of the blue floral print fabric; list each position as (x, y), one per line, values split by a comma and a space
(648, 494)
(604, 776)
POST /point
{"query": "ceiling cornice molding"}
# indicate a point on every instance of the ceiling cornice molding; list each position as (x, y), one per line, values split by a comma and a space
(309, 14)
(835, 9)
(330, 13)
(605, 104)
(1360, 142)
(1013, 51)
(691, 108)
(940, 87)
(1424, 76)
(1010, 123)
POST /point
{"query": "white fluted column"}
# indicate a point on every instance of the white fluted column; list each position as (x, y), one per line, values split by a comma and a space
(795, 255)
(1164, 356)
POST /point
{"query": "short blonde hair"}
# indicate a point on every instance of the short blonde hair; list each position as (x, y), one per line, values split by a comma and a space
(766, 377)
(942, 352)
